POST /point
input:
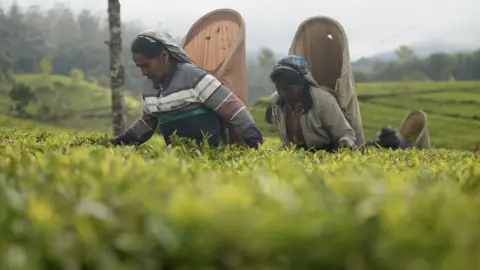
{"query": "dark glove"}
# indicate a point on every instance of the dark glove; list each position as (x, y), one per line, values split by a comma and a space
(255, 140)
(123, 139)
(128, 139)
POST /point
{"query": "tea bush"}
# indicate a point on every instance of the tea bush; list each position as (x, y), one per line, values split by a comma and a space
(71, 201)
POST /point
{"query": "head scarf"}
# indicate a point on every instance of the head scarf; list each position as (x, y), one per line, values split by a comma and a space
(296, 64)
(177, 52)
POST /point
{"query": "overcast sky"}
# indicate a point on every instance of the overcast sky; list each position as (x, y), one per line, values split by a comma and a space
(372, 26)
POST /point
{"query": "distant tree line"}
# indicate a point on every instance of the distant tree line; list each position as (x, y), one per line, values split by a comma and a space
(74, 43)
(436, 67)
(69, 41)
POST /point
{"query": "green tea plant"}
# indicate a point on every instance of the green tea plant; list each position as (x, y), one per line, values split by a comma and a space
(71, 201)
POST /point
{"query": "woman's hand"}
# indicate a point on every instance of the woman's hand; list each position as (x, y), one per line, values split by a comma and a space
(122, 139)
(128, 139)
(254, 141)
(347, 144)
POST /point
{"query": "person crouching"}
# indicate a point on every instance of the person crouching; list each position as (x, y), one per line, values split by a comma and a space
(307, 114)
(184, 99)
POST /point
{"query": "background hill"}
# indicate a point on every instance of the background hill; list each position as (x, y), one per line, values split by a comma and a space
(75, 41)
(452, 107)
(63, 101)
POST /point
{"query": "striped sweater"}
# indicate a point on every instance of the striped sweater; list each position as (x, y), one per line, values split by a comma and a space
(190, 87)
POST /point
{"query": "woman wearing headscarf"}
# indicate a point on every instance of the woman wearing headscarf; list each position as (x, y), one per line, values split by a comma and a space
(184, 99)
(307, 114)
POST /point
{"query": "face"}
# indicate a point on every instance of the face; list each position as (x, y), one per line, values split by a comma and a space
(154, 69)
(289, 92)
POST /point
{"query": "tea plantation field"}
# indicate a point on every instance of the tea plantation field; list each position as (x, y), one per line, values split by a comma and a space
(69, 200)
(66, 102)
(453, 108)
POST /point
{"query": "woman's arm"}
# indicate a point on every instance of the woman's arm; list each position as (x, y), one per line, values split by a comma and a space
(228, 106)
(334, 121)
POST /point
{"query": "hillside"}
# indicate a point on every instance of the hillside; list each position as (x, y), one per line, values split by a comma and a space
(425, 49)
(453, 109)
(67, 102)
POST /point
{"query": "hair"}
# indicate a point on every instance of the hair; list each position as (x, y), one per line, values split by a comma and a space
(148, 47)
(289, 77)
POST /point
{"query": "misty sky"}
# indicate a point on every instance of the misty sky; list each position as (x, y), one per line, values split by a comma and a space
(372, 26)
